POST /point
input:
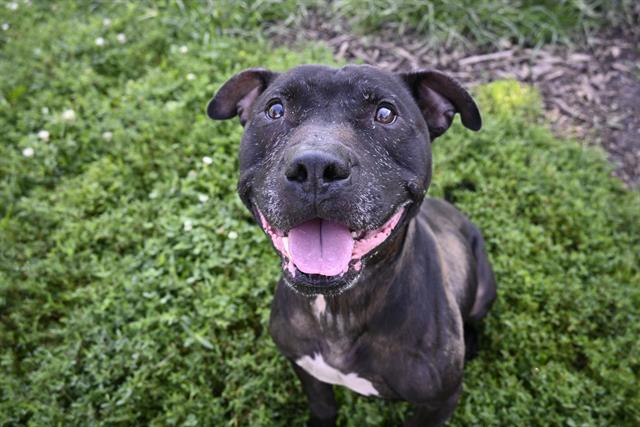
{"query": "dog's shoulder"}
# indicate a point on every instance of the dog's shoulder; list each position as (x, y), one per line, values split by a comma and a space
(453, 234)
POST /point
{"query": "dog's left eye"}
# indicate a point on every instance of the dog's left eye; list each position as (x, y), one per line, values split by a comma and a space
(275, 110)
(385, 115)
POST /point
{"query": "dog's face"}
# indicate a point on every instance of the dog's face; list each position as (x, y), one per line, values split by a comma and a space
(333, 162)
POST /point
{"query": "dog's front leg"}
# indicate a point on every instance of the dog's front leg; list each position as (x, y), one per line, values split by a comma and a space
(322, 403)
(428, 416)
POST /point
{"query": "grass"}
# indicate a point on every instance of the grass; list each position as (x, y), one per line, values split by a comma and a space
(491, 23)
(135, 289)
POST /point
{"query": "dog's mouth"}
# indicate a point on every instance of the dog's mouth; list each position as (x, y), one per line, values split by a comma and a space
(320, 254)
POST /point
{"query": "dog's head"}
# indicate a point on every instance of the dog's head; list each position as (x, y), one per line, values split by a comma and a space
(333, 162)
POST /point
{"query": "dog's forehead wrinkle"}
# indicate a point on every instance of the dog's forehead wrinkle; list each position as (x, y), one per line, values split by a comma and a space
(369, 82)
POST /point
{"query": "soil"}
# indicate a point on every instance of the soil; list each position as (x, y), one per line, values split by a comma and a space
(591, 91)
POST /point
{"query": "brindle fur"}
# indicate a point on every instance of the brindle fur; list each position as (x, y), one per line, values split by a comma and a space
(407, 319)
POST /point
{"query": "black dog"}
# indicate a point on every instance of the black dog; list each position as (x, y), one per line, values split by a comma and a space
(380, 288)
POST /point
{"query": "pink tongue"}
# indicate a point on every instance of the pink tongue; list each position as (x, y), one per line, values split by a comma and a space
(321, 247)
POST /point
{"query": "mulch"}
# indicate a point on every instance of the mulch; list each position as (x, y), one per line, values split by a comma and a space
(591, 92)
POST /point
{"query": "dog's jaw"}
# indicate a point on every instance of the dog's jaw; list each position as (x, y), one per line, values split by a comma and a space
(364, 245)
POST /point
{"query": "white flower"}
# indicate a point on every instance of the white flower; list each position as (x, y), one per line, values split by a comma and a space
(122, 38)
(203, 198)
(233, 235)
(45, 110)
(207, 160)
(100, 41)
(107, 135)
(106, 22)
(172, 105)
(5, 26)
(44, 135)
(192, 174)
(28, 152)
(68, 115)
(187, 225)
(12, 6)
(183, 49)
(191, 76)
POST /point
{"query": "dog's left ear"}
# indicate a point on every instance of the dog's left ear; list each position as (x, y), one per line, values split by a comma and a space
(440, 97)
(237, 95)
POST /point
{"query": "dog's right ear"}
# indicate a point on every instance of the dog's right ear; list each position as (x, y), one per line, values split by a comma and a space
(237, 95)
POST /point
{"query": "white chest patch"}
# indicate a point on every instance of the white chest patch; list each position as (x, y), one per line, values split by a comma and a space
(317, 367)
(319, 306)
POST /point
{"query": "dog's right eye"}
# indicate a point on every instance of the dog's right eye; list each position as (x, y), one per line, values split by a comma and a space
(275, 110)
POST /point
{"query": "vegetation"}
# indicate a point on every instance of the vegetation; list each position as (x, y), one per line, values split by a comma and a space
(491, 22)
(135, 289)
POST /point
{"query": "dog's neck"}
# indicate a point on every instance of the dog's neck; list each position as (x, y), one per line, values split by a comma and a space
(335, 314)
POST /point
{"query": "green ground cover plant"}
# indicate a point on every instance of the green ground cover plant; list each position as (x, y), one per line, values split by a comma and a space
(135, 287)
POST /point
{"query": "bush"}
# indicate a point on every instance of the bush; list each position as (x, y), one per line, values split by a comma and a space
(135, 289)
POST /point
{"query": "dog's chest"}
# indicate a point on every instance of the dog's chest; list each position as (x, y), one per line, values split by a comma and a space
(321, 370)
(334, 364)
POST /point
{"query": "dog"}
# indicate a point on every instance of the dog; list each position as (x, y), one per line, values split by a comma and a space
(382, 288)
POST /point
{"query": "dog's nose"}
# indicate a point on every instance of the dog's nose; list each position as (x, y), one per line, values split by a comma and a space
(318, 168)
